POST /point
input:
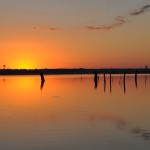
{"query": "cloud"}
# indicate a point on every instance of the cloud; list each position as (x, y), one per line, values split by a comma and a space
(46, 28)
(99, 27)
(140, 11)
(118, 21)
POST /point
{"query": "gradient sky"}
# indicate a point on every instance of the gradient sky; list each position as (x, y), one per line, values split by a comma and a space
(74, 33)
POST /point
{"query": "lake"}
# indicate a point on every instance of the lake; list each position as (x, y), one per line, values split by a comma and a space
(74, 113)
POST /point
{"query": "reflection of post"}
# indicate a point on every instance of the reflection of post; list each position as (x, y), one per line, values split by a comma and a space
(95, 79)
(42, 84)
(42, 79)
(136, 79)
(110, 83)
(104, 82)
(124, 82)
(42, 76)
(4, 81)
(145, 80)
(81, 78)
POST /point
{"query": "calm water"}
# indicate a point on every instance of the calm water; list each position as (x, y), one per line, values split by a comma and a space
(71, 113)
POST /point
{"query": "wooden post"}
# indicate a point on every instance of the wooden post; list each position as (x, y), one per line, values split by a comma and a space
(110, 83)
(104, 82)
(124, 82)
(136, 79)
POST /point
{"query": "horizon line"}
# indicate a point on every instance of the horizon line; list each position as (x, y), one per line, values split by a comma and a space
(146, 67)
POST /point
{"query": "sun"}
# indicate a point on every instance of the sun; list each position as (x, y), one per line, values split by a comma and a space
(25, 61)
(24, 64)
(25, 53)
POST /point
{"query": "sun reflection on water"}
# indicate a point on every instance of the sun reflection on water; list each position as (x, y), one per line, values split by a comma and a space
(69, 108)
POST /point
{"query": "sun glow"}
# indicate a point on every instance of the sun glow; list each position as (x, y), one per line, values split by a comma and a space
(24, 64)
(24, 61)
(24, 53)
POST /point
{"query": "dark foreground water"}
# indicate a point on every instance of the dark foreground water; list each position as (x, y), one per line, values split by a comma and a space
(74, 113)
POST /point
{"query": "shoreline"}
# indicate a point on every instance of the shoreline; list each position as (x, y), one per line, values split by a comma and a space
(79, 71)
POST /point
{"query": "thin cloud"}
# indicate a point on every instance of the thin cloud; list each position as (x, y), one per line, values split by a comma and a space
(140, 11)
(46, 28)
(119, 21)
(99, 27)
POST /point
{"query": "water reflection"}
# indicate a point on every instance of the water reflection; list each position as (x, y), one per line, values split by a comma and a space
(110, 82)
(145, 134)
(81, 78)
(42, 84)
(4, 80)
(145, 80)
(120, 123)
(104, 83)
(136, 84)
(70, 114)
(96, 79)
(120, 80)
(42, 76)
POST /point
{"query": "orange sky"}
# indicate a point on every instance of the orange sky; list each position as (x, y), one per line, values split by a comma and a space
(64, 34)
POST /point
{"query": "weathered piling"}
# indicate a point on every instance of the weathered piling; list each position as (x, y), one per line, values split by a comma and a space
(124, 82)
(95, 79)
(104, 82)
(110, 83)
(136, 84)
(42, 77)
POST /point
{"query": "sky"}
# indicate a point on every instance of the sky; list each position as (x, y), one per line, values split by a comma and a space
(74, 33)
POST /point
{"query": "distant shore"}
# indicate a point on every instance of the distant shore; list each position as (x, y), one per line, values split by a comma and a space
(74, 71)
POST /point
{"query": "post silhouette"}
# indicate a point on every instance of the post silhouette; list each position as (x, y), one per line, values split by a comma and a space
(42, 80)
(95, 79)
(136, 79)
(42, 77)
(42, 84)
(110, 84)
(145, 80)
(104, 82)
(124, 82)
